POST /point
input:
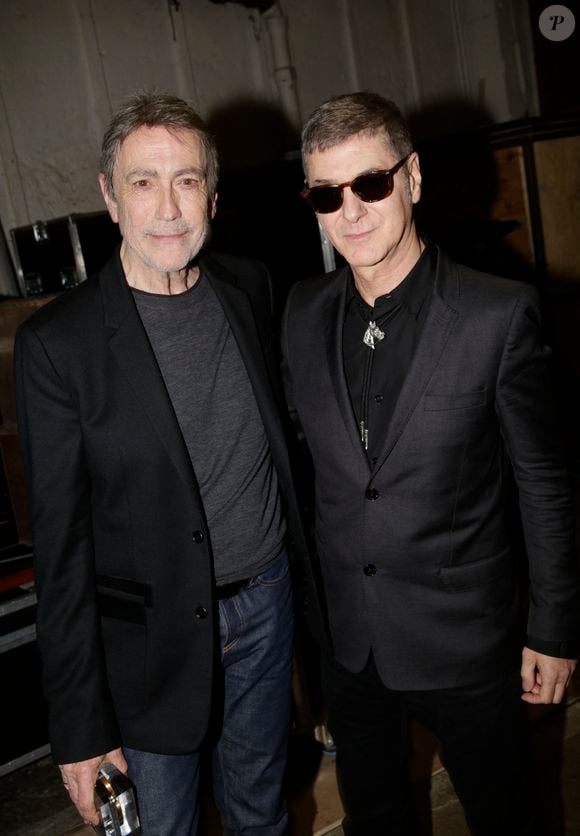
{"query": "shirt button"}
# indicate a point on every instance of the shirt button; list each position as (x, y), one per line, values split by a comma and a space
(372, 494)
(201, 612)
(198, 537)
(379, 398)
(370, 570)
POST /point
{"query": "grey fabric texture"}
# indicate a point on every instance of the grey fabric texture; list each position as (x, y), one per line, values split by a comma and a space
(217, 412)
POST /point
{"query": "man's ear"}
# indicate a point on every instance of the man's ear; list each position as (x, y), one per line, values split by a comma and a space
(414, 170)
(110, 201)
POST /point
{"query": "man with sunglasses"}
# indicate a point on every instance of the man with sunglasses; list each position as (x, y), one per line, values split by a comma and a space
(415, 382)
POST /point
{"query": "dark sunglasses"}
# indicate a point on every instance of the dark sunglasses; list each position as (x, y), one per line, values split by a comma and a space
(376, 185)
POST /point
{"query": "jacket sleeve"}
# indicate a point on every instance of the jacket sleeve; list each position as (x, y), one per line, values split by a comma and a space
(82, 721)
(531, 431)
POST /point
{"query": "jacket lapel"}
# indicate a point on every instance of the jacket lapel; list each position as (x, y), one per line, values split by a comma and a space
(129, 344)
(437, 329)
(333, 318)
(239, 310)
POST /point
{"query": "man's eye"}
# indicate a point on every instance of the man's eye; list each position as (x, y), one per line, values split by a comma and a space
(191, 182)
(141, 184)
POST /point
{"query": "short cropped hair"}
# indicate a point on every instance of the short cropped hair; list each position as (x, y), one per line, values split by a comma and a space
(151, 110)
(342, 117)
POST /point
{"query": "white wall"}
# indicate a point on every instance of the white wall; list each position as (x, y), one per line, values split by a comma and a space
(65, 64)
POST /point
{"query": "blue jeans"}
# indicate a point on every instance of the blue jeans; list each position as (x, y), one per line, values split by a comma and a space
(250, 747)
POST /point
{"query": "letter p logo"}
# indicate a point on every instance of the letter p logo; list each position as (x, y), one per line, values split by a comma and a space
(557, 23)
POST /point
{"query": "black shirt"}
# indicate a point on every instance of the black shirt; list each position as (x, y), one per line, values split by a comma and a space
(375, 375)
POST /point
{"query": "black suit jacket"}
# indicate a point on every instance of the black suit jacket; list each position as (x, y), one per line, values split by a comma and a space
(123, 557)
(415, 553)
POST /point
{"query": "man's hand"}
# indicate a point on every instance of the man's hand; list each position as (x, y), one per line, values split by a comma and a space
(79, 779)
(544, 678)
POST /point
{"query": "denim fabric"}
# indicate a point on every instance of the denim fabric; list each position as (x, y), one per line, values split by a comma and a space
(250, 757)
(167, 792)
(251, 705)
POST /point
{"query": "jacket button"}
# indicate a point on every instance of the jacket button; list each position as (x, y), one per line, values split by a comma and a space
(372, 494)
(370, 570)
(201, 612)
(198, 537)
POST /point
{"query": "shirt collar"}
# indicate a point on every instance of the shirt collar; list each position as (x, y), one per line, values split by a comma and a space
(410, 294)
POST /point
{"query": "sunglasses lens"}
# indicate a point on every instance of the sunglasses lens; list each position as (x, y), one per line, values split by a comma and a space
(368, 187)
(324, 199)
(373, 187)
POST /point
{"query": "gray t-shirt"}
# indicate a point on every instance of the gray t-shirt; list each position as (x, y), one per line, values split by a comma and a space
(221, 424)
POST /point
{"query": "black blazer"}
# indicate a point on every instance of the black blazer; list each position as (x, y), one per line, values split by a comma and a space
(123, 560)
(415, 553)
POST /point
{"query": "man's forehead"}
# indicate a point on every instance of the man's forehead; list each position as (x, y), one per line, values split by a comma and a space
(369, 139)
(147, 138)
(354, 151)
(150, 151)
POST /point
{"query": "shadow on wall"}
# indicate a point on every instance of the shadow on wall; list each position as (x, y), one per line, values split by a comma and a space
(251, 133)
(260, 213)
(469, 206)
(447, 118)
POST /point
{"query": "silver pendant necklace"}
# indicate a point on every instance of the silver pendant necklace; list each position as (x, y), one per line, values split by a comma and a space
(373, 333)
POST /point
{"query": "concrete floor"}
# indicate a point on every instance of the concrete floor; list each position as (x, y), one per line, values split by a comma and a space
(33, 802)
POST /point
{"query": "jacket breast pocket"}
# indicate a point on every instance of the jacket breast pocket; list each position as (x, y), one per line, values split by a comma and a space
(455, 401)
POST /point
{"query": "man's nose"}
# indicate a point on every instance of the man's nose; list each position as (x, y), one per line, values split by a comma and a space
(168, 206)
(353, 207)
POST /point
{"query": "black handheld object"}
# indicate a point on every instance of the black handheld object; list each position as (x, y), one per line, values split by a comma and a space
(116, 804)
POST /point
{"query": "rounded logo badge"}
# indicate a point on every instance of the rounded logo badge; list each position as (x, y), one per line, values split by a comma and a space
(557, 23)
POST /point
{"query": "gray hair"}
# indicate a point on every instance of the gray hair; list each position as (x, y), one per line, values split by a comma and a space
(342, 117)
(150, 110)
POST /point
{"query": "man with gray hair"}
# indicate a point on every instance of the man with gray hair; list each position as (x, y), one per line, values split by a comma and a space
(161, 498)
(416, 382)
